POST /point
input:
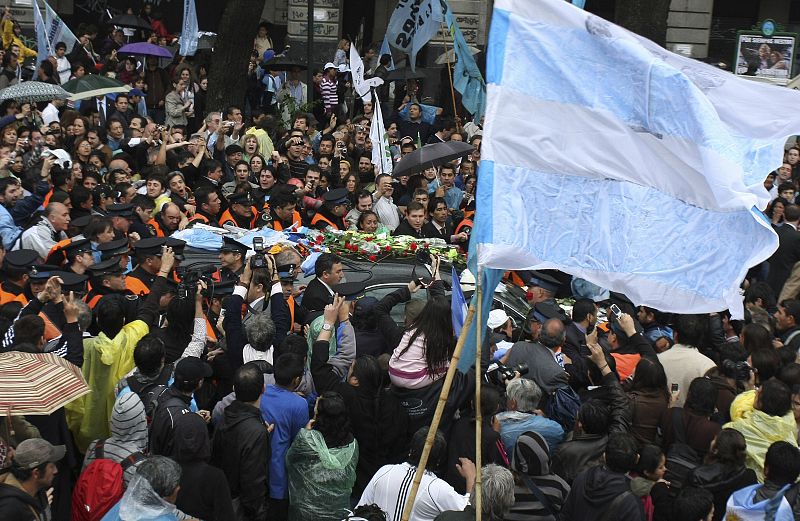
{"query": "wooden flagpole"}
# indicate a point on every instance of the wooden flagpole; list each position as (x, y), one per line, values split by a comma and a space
(478, 411)
(437, 415)
(450, 77)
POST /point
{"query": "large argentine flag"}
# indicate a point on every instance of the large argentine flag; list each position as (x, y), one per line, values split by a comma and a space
(614, 160)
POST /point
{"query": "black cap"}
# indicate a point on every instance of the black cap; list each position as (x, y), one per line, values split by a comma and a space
(72, 282)
(42, 272)
(350, 290)
(233, 149)
(229, 244)
(120, 210)
(113, 248)
(77, 246)
(243, 198)
(286, 272)
(81, 222)
(177, 246)
(544, 281)
(152, 246)
(21, 259)
(192, 369)
(106, 267)
(336, 196)
(545, 310)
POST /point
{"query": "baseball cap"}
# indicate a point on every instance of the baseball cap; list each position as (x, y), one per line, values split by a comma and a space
(192, 369)
(35, 451)
(497, 318)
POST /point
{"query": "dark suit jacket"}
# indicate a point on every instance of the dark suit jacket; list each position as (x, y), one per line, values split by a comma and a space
(784, 258)
(430, 232)
(316, 296)
(577, 351)
(405, 229)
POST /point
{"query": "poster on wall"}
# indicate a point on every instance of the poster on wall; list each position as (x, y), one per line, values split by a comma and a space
(765, 56)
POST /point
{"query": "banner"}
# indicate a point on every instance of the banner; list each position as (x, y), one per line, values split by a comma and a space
(190, 34)
(467, 78)
(50, 31)
(766, 56)
(413, 24)
(632, 173)
(381, 152)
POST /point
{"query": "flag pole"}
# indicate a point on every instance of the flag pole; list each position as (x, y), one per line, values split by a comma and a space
(478, 412)
(450, 77)
(437, 415)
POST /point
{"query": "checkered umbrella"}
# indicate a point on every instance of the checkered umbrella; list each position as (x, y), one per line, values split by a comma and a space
(33, 91)
(38, 383)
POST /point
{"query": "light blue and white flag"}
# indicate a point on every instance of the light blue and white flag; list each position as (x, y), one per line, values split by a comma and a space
(386, 50)
(467, 78)
(458, 304)
(413, 24)
(50, 30)
(610, 158)
(190, 33)
(381, 150)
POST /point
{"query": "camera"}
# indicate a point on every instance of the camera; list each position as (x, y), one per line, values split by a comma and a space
(499, 374)
(739, 371)
(259, 259)
(191, 275)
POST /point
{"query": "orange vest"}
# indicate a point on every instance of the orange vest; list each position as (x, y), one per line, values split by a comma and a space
(47, 198)
(278, 227)
(92, 302)
(319, 217)
(227, 218)
(514, 278)
(56, 255)
(155, 228)
(199, 218)
(136, 286)
(7, 296)
(464, 224)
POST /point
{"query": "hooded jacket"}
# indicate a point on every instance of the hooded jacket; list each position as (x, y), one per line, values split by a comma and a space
(241, 448)
(15, 503)
(761, 430)
(593, 492)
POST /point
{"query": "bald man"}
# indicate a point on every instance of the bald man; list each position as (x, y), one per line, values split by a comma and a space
(49, 230)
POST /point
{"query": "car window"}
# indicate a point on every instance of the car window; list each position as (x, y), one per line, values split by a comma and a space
(398, 312)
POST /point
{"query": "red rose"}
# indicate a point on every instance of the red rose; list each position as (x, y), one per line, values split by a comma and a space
(373, 258)
(368, 239)
(413, 246)
(388, 248)
(319, 239)
(424, 245)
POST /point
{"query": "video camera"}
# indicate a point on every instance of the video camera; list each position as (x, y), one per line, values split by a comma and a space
(740, 371)
(499, 374)
(191, 275)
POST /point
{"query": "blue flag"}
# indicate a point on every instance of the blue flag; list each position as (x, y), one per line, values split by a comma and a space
(458, 305)
(386, 50)
(190, 34)
(50, 30)
(641, 155)
(412, 25)
(467, 78)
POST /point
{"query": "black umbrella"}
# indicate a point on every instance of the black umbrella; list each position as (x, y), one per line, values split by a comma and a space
(431, 155)
(405, 74)
(131, 21)
(282, 63)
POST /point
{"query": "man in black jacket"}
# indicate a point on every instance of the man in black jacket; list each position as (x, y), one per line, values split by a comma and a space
(241, 445)
(329, 272)
(22, 496)
(412, 224)
(189, 375)
(575, 351)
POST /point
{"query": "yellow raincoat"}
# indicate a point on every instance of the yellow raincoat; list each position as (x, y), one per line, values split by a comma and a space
(759, 430)
(9, 37)
(265, 146)
(105, 362)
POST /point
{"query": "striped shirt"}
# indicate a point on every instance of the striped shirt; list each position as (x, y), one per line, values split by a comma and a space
(389, 489)
(330, 95)
(528, 508)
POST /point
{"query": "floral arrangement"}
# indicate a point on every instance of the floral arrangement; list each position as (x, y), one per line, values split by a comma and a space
(379, 246)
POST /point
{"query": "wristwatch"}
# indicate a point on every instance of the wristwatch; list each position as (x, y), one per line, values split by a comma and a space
(327, 327)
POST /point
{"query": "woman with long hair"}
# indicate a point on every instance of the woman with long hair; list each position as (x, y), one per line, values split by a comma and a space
(321, 463)
(775, 211)
(424, 351)
(82, 149)
(649, 396)
(178, 332)
(723, 470)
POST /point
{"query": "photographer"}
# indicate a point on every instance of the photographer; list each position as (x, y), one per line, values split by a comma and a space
(232, 323)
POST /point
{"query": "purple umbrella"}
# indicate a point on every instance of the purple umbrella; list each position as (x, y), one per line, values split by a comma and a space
(145, 49)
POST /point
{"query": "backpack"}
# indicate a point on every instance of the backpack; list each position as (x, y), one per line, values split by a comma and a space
(151, 392)
(100, 485)
(681, 458)
(562, 407)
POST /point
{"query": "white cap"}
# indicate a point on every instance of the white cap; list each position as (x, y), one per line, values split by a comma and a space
(329, 65)
(343, 67)
(497, 318)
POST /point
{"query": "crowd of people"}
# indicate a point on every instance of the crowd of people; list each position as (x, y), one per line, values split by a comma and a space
(236, 392)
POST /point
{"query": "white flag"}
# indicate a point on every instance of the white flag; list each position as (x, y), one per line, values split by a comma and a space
(381, 154)
(50, 31)
(361, 85)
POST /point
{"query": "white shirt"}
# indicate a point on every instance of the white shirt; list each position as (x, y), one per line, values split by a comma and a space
(433, 497)
(64, 69)
(50, 114)
(41, 238)
(387, 212)
(682, 364)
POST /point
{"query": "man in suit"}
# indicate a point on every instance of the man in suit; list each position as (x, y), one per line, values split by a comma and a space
(329, 272)
(788, 252)
(438, 227)
(575, 351)
(99, 104)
